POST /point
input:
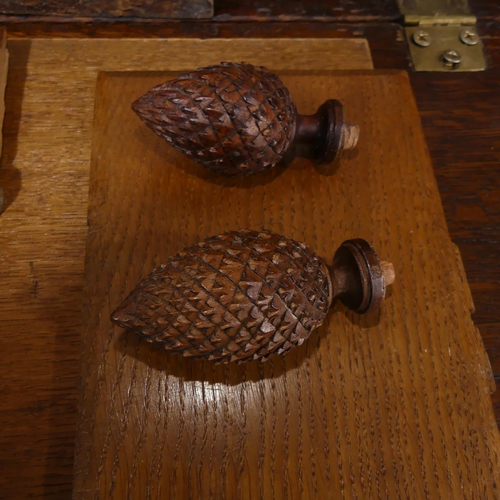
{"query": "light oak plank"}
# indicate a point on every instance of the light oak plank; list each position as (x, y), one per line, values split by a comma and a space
(390, 405)
(45, 175)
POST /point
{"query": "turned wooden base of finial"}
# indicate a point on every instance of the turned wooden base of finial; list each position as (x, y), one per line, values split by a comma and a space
(359, 277)
(325, 132)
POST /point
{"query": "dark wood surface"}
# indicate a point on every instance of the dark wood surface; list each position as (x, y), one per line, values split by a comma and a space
(293, 10)
(485, 9)
(461, 118)
(343, 10)
(171, 9)
(230, 10)
(463, 136)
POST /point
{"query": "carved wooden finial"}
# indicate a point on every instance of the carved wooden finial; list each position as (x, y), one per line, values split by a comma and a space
(235, 118)
(246, 295)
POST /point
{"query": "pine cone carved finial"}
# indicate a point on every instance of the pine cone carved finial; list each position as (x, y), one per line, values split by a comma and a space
(247, 295)
(235, 118)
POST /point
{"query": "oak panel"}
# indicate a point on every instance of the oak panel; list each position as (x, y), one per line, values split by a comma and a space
(45, 175)
(390, 405)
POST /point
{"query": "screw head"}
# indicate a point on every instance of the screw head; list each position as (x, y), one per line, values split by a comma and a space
(422, 38)
(469, 37)
(451, 58)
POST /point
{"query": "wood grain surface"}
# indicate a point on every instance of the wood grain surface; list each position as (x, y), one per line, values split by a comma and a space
(393, 405)
(40, 416)
(293, 10)
(460, 118)
(4, 65)
(171, 9)
(44, 172)
(346, 11)
(342, 10)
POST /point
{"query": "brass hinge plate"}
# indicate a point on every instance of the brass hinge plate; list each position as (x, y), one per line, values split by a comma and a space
(440, 33)
(450, 47)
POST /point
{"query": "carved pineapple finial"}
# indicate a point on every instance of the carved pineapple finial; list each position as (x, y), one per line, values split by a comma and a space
(235, 118)
(247, 295)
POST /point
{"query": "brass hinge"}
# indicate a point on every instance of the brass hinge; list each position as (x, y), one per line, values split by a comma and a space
(442, 42)
(439, 20)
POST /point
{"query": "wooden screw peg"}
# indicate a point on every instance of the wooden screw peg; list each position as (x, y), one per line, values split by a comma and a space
(246, 295)
(235, 118)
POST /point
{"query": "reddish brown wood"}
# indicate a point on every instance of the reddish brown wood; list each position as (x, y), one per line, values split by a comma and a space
(485, 9)
(231, 118)
(293, 10)
(325, 133)
(247, 295)
(343, 10)
(173, 9)
(229, 10)
(340, 10)
(238, 118)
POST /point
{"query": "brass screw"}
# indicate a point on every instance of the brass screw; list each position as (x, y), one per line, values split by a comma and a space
(422, 38)
(469, 37)
(451, 58)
